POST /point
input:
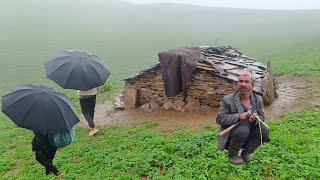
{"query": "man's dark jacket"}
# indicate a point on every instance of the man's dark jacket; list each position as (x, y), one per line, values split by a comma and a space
(230, 109)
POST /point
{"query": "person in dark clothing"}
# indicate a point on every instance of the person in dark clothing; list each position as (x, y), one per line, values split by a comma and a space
(237, 109)
(45, 153)
(88, 103)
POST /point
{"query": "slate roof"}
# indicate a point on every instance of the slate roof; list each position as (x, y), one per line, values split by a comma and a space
(223, 61)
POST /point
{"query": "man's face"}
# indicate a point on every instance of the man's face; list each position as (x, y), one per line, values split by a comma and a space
(244, 85)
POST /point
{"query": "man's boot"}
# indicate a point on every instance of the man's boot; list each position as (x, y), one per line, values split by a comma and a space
(235, 159)
(246, 156)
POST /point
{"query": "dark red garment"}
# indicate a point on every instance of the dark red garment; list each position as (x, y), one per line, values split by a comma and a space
(177, 66)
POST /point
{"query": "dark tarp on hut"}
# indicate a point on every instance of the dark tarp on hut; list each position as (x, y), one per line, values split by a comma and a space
(177, 66)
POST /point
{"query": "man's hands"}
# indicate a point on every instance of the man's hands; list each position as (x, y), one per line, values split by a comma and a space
(252, 118)
(244, 116)
(247, 115)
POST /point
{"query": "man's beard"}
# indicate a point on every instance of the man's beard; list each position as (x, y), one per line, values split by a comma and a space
(244, 91)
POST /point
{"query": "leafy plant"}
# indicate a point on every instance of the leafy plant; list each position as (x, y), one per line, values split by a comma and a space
(136, 151)
(106, 88)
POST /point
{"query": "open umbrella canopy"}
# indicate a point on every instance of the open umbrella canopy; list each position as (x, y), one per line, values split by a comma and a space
(77, 69)
(39, 108)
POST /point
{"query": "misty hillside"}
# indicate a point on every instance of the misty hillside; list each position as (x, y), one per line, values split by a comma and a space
(128, 37)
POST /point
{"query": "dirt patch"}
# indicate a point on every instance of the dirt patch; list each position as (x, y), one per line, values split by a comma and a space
(170, 120)
(76, 160)
(294, 93)
(14, 169)
(106, 115)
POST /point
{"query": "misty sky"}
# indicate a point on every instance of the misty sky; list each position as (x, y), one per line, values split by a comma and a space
(251, 4)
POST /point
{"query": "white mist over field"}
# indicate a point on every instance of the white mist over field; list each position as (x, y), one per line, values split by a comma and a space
(246, 4)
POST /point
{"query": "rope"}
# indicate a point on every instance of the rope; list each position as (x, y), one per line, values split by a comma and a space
(260, 121)
(260, 132)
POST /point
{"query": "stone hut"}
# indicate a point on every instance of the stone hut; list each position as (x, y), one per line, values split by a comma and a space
(211, 74)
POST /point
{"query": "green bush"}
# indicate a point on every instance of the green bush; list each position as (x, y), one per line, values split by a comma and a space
(106, 88)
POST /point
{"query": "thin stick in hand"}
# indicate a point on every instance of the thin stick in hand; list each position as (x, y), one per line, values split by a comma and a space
(257, 116)
(228, 129)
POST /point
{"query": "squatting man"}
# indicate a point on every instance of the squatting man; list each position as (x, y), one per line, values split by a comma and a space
(243, 110)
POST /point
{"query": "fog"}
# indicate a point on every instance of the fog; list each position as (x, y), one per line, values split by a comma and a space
(247, 4)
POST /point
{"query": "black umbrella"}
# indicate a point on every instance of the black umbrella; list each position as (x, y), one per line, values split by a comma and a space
(77, 69)
(39, 108)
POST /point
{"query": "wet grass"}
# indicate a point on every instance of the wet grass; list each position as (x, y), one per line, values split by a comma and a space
(298, 59)
(138, 150)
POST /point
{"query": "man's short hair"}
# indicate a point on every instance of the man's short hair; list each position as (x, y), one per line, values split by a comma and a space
(247, 72)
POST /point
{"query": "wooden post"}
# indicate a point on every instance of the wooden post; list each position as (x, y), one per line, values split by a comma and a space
(130, 97)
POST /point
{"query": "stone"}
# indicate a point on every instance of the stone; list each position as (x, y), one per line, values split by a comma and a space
(193, 105)
(153, 105)
(146, 107)
(177, 105)
(167, 105)
(149, 107)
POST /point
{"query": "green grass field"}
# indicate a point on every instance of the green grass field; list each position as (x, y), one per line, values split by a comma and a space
(130, 153)
(40, 29)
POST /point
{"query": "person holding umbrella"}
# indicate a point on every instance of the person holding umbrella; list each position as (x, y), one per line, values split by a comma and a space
(88, 102)
(45, 152)
(83, 71)
(45, 112)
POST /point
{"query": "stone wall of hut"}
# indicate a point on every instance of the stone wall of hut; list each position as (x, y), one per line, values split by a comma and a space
(203, 87)
(149, 88)
(209, 89)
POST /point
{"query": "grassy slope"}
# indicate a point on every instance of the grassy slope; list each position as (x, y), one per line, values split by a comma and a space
(138, 150)
(302, 58)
